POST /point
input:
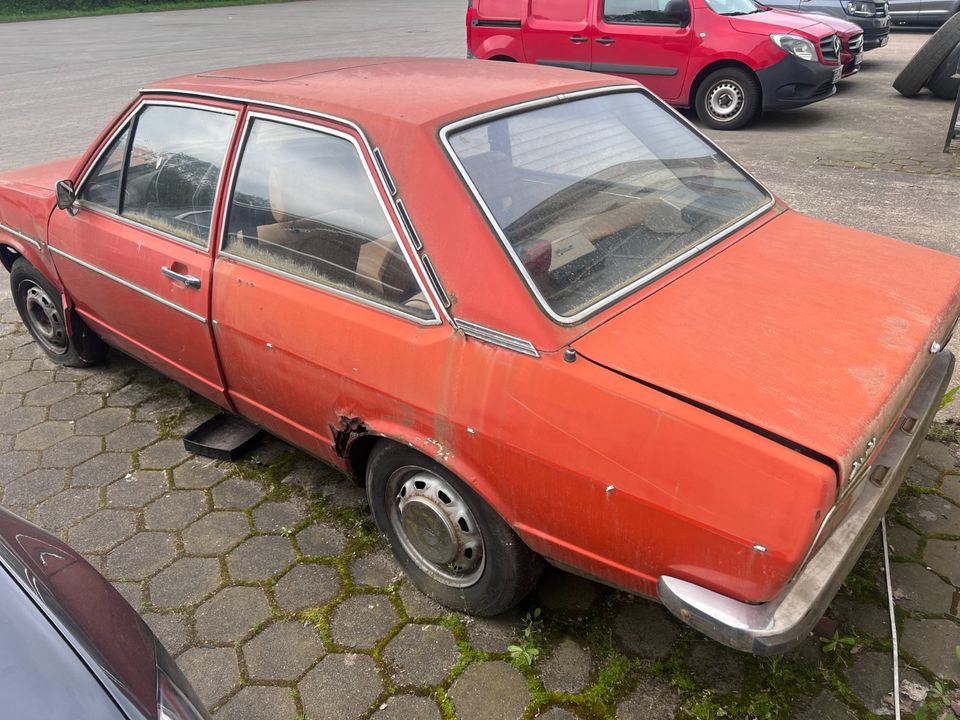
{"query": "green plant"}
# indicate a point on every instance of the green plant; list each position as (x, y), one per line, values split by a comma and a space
(837, 642)
(949, 396)
(285, 531)
(527, 650)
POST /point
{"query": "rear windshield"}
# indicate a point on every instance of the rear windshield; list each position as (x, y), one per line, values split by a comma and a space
(596, 196)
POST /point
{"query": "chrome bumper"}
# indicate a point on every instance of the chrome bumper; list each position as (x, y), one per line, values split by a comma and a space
(776, 626)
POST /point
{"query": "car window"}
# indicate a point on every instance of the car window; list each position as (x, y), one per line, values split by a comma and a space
(595, 195)
(102, 188)
(639, 12)
(173, 169)
(304, 204)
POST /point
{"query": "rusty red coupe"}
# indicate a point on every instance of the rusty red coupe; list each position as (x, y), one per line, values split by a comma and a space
(533, 309)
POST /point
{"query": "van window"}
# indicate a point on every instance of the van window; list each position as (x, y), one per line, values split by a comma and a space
(638, 12)
(559, 10)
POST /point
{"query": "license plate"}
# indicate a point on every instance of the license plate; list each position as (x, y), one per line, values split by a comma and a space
(837, 72)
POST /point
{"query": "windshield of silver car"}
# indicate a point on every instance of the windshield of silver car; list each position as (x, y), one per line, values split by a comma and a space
(597, 196)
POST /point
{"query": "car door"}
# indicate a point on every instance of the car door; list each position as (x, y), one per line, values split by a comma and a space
(318, 311)
(636, 39)
(134, 253)
(557, 32)
(905, 11)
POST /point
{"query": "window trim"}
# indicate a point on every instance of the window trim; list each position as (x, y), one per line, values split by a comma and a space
(130, 122)
(641, 281)
(253, 115)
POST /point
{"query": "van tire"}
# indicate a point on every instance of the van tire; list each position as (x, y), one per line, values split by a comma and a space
(928, 58)
(727, 99)
(942, 83)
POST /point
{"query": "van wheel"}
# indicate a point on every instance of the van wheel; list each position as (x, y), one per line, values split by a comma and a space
(727, 99)
(450, 543)
(38, 303)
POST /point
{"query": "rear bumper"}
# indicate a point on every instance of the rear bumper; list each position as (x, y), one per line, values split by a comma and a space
(778, 625)
(793, 82)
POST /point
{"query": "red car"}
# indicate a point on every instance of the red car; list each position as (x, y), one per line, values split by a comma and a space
(537, 313)
(851, 41)
(727, 59)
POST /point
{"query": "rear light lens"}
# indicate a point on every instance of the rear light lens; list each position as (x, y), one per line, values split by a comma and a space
(172, 701)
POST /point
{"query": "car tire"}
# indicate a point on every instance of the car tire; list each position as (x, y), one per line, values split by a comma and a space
(451, 544)
(41, 310)
(942, 83)
(727, 99)
(928, 58)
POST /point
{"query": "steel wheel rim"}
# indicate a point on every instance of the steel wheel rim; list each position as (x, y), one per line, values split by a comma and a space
(435, 526)
(45, 319)
(725, 100)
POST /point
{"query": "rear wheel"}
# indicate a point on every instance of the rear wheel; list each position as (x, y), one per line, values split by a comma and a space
(727, 99)
(38, 303)
(451, 544)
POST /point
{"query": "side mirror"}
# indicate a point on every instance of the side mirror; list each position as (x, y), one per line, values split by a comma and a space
(66, 195)
(678, 11)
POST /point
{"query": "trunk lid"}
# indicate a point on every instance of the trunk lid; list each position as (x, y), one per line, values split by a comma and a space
(809, 331)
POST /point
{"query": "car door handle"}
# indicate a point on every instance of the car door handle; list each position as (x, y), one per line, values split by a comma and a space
(605, 41)
(577, 39)
(188, 280)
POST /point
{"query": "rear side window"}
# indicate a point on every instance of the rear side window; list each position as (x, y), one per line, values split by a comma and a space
(103, 186)
(304, 204)
(640, 12)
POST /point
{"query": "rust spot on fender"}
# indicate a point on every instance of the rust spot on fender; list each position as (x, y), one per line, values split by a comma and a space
(345, 432)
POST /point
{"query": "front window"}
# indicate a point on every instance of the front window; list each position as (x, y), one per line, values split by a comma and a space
(735, 7)
(596, 196)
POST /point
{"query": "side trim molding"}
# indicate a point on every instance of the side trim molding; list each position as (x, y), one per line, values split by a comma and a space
(634, 69)
(495, 337)
(18, 234)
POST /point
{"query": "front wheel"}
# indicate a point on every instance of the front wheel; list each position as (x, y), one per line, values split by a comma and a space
(727, 99)
(38, 303)
(450, 543)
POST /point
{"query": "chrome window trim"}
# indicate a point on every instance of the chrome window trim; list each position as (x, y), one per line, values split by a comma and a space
(432, 299)
(128, 284)
(645, 279)
(127, 123)
(495, 337)
(313, 127)
(18, 234)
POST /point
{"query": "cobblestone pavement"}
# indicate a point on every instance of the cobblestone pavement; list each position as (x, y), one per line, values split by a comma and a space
(267, 582)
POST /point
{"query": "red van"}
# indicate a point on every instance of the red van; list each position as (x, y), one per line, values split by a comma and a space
(729, 59)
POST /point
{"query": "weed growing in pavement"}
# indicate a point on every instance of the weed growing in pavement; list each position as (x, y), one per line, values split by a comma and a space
(837, 642)
(527, 651)
(943, 432)
(949, 396)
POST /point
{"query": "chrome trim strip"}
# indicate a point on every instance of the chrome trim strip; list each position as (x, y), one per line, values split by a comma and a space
(312, 113)
(373, 186)
(18, 234)
(446, 130)
(128, 284)
(495, 337)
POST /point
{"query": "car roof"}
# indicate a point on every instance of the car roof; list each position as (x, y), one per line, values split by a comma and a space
(418, 91)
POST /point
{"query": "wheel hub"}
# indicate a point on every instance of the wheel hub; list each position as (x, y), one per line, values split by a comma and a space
(429, 529)
(45, 319)
(725, 100)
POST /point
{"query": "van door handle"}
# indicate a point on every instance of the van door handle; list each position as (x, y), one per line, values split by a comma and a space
(188, 280)
(577, 39)
(605, 41)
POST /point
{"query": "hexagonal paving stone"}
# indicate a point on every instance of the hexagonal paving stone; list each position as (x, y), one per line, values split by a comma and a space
(492, 691)
(376, 569)
(933, 514)
(49, 394)
(12, 368)
(937, 455)
(102, 530)
(102, 469)
(42, 436)
(213, 672)
(15, 463)
(717, 667)
(567, 669)
(175, 509)
(557, 713)
(130, 394)
(326, 696)
(171, 629)
(74, 407)
(943, 556)
(137, 489)
(198, 473)
(237, 493)
(19, 419)
(131, 592)
(951, 488)
(283, 652)
(869, 678)
(71, 452)
(163, 405)
(186, 582)
(934, 644)
(826, 707)
(260, 557)
(853, 614)
(422, 654)
(9, 403)
(562, 591)
(274, 516)
(256, 702)
(319, 540)
(132, 437)
(646, 629)
(902, 541)
(653, 698)
(361, 620)
(141, 556)
(419, 605)
(920, 590)
(215, 532)
(103, 422)
(494, 634)
(29, 489)
(230, 614)
(105, 380)
(307, 585)
(27, 381)
(163, 454)
(408, 707)
(194, 416)
(66, 507)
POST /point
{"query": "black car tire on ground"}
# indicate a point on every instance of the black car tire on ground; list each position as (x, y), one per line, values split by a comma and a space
(728, 85)
(942, 83)
(928, 58)
(38, 303)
